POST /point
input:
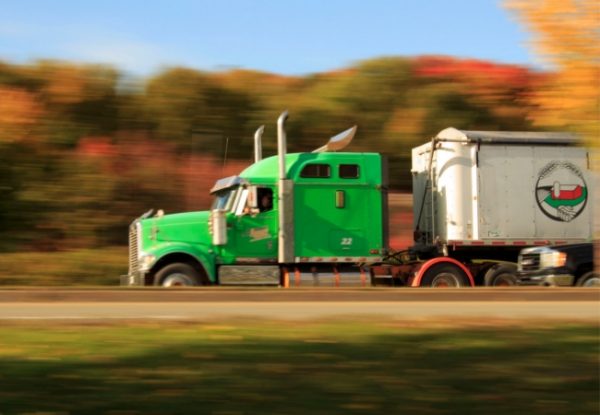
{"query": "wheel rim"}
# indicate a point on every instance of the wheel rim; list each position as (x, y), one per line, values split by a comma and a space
(504, 280)
(176, 280)
(592, 282)
(445, 280)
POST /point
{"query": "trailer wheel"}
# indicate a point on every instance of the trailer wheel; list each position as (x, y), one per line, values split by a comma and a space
(590, 279)
(178, 274)
(501, 275)
(444, 275)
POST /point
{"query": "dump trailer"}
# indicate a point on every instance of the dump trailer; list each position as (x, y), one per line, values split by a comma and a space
(321, 218)
(479, 197)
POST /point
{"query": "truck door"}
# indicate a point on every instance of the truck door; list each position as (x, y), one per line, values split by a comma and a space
(337, 210)
(253, 234)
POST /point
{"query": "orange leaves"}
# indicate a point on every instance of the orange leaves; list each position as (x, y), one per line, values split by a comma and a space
(19, 111)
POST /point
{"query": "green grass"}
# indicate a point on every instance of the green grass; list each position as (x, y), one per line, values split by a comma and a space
(82, 267)
(325, 367)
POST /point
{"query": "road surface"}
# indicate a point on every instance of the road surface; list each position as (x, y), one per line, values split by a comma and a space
(571, 304)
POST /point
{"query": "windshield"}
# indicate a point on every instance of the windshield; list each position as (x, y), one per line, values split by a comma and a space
(224, 199)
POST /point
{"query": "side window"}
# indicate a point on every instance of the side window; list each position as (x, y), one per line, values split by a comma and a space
(265, 199)
(321, 171)
(349, 171)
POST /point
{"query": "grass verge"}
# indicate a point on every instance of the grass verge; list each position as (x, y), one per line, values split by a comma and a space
(327, 367)
(81, 267)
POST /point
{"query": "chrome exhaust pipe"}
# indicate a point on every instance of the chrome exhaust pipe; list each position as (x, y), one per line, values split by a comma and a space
(282, 143)
(258, 143)
(285, 198)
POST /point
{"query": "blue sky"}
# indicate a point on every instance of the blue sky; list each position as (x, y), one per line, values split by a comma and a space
(291, 37)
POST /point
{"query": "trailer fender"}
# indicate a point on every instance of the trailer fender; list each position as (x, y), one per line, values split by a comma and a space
(430, 263)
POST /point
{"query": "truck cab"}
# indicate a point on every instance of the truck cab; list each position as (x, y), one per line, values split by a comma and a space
(334, 205)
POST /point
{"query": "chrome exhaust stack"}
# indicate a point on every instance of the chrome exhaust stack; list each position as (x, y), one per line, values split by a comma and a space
(286, 198)
(282, 143)
(258, 143)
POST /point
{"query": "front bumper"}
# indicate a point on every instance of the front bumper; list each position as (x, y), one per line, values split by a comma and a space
(555, 279)
(135, 279)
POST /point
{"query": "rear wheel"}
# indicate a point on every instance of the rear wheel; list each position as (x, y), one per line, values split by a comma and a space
(443, 276)
(590, 279)
(501, 275)
(179, 274)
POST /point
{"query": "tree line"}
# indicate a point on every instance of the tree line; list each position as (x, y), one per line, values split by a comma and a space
(85, 149)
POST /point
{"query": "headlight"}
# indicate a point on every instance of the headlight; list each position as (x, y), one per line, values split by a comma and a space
(146, 262)
(553, 259)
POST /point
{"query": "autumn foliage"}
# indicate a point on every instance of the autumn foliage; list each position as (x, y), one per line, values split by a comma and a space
(85, 150)
(567, 36)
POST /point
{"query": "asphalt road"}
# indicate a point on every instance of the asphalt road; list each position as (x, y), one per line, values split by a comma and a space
(571, 304)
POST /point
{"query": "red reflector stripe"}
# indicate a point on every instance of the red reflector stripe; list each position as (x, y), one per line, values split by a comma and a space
(504, 243)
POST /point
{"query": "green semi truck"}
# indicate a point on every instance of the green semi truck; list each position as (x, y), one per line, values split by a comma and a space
(321, 218)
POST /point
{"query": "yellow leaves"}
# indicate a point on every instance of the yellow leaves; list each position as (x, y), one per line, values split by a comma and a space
(19, 110)
(406, 121)
(570, 99)
(66, 85)
(568, 35)
(565, 29)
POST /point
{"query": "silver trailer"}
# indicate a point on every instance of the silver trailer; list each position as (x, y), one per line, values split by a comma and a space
(501, 189)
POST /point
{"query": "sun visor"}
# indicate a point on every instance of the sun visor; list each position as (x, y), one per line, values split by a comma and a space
(227, 182)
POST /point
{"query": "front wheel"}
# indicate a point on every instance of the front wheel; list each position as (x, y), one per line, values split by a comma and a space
(443, 276)
(590, 279)
(178, 275)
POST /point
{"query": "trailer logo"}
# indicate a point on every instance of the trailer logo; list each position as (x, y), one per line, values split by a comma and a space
(561, 192)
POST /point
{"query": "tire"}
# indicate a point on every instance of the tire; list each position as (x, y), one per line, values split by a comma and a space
(444, 276)
(178, 274)
(501, 275)
(590, 279)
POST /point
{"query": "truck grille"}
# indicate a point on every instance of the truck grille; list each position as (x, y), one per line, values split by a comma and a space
(530, 262)
(133, 248)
